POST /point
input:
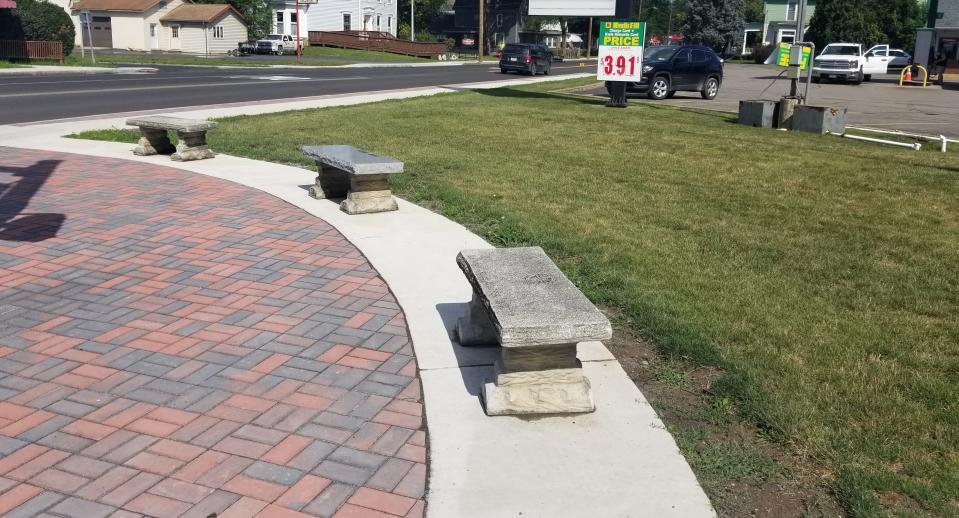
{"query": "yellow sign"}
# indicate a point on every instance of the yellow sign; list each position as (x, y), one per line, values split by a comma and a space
(782, 57)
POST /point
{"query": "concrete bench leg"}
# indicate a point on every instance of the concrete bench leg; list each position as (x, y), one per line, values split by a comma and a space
(368, 193)
(544, 379)
(475, 328)
(191, 146)
(330, 183)
(153, 142)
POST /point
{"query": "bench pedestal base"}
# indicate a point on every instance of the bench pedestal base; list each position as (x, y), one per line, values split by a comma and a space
(546, 379)
(153, 142)
(475, 328)
(191, 146)
(330, 183)
(556, 391)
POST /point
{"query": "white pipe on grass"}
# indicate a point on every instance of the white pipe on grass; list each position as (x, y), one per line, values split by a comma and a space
(915, 145)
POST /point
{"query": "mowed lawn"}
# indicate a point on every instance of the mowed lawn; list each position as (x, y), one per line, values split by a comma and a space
(821, 275)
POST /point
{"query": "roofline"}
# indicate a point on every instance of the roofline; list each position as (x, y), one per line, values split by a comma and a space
(151, 6)
(227, 8)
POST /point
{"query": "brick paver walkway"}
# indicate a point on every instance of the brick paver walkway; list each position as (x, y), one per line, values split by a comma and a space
(177, 345)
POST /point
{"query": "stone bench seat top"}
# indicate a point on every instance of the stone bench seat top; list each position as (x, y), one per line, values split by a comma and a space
(529, 300)
(165, 122)
(352, 160)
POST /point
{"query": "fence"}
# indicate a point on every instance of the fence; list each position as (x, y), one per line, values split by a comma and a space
(17, 49)
(377, 41)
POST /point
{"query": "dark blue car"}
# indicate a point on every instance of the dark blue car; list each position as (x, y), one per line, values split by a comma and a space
(671, 69)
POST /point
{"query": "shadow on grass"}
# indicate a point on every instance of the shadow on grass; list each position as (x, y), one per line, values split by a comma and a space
(514, 93)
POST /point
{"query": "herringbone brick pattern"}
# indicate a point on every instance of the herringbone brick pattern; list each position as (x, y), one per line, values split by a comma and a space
(183, 346)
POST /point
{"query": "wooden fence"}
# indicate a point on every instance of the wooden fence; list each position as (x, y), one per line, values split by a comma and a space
(377, 41)
(18, 49)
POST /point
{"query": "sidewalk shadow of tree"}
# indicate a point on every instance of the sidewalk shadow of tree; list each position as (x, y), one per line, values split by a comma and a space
(515, 93)
(15, 225)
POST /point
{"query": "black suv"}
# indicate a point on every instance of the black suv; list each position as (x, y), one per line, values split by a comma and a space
(527, 58)
(668, 69)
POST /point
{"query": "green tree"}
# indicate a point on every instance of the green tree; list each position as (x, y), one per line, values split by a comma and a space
(755, 10)
(35, 20)
(851, 21)
(716, 23)
(257, 13)
(898, 21)
(425, 12)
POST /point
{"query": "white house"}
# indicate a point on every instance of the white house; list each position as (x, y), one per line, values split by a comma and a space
(334, 15)
(204, 28)
(147, 25)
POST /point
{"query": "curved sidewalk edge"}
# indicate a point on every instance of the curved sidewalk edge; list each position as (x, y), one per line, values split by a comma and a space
(617, 462)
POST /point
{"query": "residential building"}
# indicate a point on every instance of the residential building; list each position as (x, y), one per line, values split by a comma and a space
(334, 15)
(205, 28)
(505, 22)
(172, 25)
(778, 25)
(941, 35)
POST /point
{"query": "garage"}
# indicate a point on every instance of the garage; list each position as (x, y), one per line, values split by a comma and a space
(102, 30)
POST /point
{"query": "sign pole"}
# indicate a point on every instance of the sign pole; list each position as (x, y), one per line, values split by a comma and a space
(479, 44)
(297, 31)
(617, 89)
(589, 41)
(412, 22)
(90, 35)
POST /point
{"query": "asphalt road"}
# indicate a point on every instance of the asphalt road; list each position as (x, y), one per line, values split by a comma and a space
(41, 98)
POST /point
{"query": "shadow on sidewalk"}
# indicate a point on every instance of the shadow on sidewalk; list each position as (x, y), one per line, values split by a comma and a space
(15, 225)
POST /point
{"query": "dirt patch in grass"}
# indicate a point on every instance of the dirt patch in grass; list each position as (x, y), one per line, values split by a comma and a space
(742, 472)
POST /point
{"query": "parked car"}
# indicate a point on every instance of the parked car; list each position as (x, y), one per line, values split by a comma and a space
(848, 62)
(899, 58)
(525, 58)
(668, 69)
(276, 44)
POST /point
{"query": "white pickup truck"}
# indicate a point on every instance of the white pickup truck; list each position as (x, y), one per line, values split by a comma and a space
(277, 44)
(848, 62)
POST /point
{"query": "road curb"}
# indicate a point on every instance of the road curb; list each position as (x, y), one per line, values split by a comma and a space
(75, 71)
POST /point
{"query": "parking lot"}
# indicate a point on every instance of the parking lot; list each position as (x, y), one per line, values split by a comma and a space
(880, 103)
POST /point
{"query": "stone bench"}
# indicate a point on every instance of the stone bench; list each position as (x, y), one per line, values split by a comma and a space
(524, 303)
(354, 174)
(154, 139)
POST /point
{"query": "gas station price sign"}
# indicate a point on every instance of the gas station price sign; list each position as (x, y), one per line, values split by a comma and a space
(620, 51)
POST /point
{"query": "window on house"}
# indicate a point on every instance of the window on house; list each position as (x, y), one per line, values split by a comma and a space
(378, 25)
(792, 10)
(175, 31)
(389, 23)
(499, 20)
(218, 32)
(346, 22)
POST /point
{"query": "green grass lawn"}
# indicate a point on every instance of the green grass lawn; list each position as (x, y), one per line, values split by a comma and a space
(7, 64)
(820, 274)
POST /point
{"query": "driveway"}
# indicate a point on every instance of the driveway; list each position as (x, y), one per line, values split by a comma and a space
(880, 103)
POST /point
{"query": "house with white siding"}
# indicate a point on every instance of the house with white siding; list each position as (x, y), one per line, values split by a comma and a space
(147, 25)
(205, 28)
(334, 15)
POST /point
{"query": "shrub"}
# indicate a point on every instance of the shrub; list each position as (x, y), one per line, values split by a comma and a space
(761, 53)
(38, 20)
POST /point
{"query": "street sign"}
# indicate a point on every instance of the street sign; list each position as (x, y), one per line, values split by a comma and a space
(620, 50)
(84, 16)
(782, 55)
(572, 8)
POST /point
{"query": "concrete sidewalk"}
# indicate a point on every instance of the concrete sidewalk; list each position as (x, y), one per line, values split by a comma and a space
(617, 462)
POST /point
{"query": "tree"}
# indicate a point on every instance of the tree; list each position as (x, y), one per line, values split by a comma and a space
(715, 23)
(257, 13)
(866, 21)
(35, 20)
(755, 10)
(425, 12)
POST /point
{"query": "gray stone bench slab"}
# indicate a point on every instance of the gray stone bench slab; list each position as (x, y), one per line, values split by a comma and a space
(523, 303)
(359, 176)
(191, 137)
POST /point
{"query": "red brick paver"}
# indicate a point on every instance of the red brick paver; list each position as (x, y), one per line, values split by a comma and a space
(177, 345)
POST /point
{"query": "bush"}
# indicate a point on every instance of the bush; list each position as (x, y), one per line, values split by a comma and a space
(761, 53)
(37, 20)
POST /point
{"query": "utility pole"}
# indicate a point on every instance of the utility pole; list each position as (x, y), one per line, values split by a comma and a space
(589, 41)
(480, 43)
(297, 31)
(412, 26)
